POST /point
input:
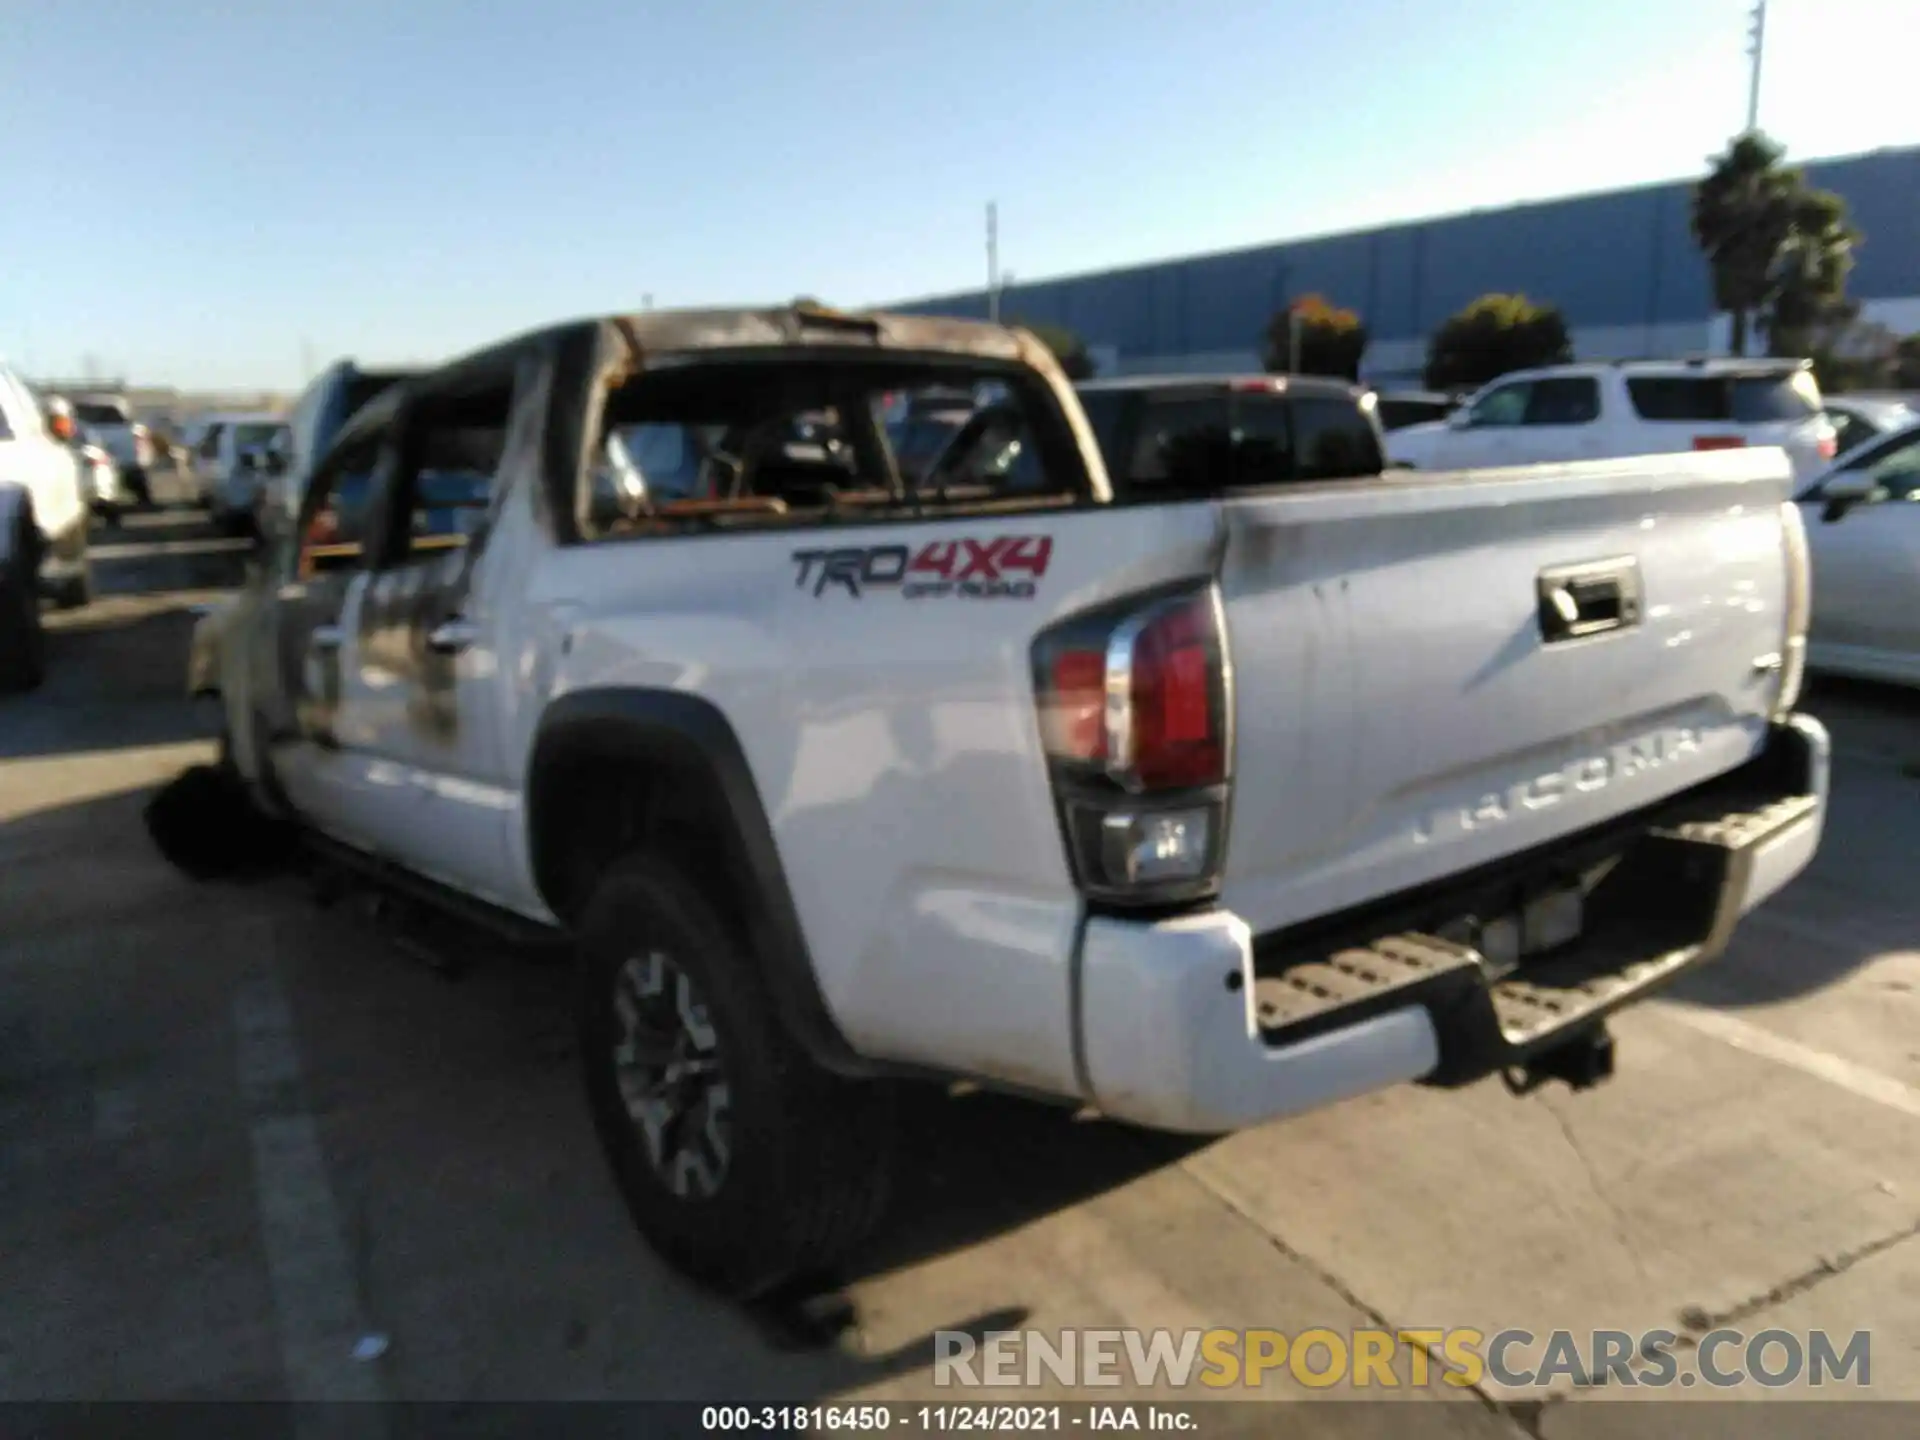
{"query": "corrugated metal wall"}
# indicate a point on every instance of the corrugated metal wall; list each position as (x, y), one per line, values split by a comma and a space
(1620, 265)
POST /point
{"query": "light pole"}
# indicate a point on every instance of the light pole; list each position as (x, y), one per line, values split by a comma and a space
(1756, 43)
(993, 262)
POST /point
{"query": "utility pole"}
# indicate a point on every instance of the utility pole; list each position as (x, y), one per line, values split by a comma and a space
(1756, 43)
(993, 262)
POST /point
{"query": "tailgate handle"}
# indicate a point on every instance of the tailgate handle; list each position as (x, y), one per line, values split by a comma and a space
(1576, 601)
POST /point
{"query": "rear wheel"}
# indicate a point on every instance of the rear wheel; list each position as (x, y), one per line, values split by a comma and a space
(743, 1163)
(23, 644)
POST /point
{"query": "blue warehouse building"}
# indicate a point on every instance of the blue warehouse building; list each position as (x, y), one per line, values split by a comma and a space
(1621, 265)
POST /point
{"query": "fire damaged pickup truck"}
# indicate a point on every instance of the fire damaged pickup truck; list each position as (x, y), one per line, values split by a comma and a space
(1180, 782)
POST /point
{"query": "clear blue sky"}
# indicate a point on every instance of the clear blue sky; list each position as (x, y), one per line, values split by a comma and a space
(198, 193)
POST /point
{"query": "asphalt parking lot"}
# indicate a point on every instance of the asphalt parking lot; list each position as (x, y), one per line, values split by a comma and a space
(243, 1132)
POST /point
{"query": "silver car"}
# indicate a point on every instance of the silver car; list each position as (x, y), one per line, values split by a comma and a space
(1863, 530)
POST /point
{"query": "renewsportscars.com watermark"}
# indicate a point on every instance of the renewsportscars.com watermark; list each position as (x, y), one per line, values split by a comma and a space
(1393, 1359)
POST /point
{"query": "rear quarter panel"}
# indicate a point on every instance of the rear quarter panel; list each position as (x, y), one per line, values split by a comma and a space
(895, 745)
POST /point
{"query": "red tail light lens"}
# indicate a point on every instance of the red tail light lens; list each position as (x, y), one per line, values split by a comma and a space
(1176, 735)
(1718, 442)
(1135, 712)
(1829, 447)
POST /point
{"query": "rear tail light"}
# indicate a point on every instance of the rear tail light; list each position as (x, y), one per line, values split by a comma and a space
(1829, 447)
(1793, 655)
(1135, 708)
(1718, 442)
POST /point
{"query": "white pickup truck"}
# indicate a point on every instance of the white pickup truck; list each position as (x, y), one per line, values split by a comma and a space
(1195, 802)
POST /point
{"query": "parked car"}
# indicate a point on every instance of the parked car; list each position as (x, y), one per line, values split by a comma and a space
(237, 455)
(1635, 407)
(1220, 792)
(1862, 519)
(100, 485)
(109, 422)
(43, 526)
(1196, 435)
(1398, 409)
(1858, 419)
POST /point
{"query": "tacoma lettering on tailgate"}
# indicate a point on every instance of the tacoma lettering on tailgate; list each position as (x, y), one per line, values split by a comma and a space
(1588, 773)
(1003, 567)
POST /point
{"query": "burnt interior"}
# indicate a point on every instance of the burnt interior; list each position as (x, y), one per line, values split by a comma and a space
(732, 440)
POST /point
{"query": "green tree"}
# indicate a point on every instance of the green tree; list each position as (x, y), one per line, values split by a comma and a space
(1493, 335)
(1809, 309)
(1332, 340)
(1779, 252)
(1067, 347)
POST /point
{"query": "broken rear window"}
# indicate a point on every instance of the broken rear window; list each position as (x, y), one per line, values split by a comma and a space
(767, 441)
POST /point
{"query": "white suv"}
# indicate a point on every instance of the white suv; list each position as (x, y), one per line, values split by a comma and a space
(1634, 407)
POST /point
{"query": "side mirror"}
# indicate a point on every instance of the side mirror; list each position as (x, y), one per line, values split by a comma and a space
(1457, 419)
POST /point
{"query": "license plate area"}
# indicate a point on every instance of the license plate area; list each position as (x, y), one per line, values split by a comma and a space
(1537, 922)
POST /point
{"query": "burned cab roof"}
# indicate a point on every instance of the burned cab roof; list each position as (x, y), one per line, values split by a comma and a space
(627, 341)
(813, 326)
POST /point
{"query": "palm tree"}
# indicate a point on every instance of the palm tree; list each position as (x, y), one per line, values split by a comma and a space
(1743, 216)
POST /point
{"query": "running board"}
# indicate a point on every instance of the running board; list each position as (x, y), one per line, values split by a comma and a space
(513, 929)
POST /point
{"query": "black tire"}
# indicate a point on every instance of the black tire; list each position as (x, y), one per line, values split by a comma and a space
(23, 644)
(793, 1173)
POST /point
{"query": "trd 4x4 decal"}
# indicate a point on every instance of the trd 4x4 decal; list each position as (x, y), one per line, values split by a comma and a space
(968, 568)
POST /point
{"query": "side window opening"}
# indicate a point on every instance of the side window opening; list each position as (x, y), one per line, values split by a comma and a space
(1567, 400)
(1505, 406)
(340, 501)
(1897, 472)
(448, 467)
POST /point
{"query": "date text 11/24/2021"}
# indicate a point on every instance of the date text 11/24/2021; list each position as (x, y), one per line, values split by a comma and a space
(945, 1419)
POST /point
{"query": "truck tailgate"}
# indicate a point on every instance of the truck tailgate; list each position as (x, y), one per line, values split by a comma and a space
(1431, 674)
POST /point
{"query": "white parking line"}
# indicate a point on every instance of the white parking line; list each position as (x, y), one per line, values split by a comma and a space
(315, 1298)
(146, 549)
(1821, 1064)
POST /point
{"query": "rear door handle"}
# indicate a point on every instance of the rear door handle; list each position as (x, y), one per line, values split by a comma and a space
(450, 637)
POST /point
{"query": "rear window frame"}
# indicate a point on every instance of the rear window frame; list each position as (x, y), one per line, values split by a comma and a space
(1055, 438)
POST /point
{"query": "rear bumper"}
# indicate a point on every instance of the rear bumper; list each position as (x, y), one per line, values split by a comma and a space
(1194, 1024)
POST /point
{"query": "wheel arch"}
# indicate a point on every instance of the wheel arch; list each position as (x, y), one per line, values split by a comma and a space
(618, 768)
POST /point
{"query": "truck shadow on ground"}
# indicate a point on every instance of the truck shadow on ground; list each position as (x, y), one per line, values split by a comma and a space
(1855, 902)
